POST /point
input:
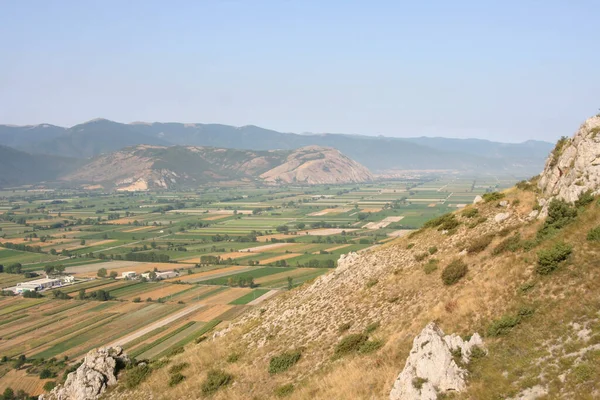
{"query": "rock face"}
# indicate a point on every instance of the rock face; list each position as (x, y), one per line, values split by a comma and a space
(431, 368)
(91, 379)
(574, 165)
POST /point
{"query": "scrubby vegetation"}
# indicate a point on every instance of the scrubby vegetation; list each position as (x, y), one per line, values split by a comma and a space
(445, 222)
(454, 272)
(470, 212)
(550, 259)
(512, 244)
(215, 380)
(480, 244)
(284, 361)
(431, 266)
(594, 235)
(560, 214)
(558, 149)
(493, 196)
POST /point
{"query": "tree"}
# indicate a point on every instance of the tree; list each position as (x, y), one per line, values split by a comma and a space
(53, 252)
(113, 274)
(300, 225)
(81, 294)
(1, 268)
(282, 228)
(14, 268)
(82, 242)
(102, 273)
(49, 269)
(290, 282)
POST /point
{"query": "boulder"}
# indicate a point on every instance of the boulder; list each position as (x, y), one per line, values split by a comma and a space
(501, 217)
(477, 199)
(574, 165)
(98, 371)
(431, 368)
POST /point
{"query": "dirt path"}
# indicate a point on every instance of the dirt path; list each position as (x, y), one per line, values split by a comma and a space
(124, 340)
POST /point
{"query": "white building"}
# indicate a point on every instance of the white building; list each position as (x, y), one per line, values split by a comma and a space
(38, 285)
(166, 275)
(128, 275)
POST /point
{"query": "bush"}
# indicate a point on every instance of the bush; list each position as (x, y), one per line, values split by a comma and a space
(470, 212)
(503, 325)
(419, 382)
(480, 244)
(594, 235)
(284, 361)
(549, 259)
(215, 379)
(176, 379)
(512, 243)
(421, 256)
(350, 344)
(558, 149)
(233, 357)
(584, 199)
(560, 214)
(371, 282)
(178, 368)
(525, 185)
(454, 272)
(45, 374)
(136, 375)
(344, 327)
(492, 196)
(284, 390)
(372, 327)
(48, 386)
(370, 346)
(444, 222)
(431, 266)
(432, 250)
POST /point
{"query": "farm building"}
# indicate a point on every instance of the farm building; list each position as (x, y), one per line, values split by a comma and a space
(38, 285)
(128, 275)
(167, 275)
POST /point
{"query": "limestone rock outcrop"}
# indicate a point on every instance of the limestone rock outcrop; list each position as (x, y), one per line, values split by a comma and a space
(431, 368)
(574, 165)
(91, 379)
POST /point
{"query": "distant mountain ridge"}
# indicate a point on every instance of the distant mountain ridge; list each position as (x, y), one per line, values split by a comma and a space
(100, 136)
(146, 167)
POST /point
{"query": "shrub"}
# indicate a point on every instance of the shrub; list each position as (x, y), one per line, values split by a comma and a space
(176, 379)
(350, 344)
(48, 386)
(418, 382)
(512, 243)
(215, 379)
(371, 282)
(444, 222)
(549, 259)
(284, 361)
(372, 327)
(284, 390)
(454, 272)
(136, 375)
(594, 235)
(178, 368)
(137, 300)
(233, 357)
(584, 199)
(560, 214)
(480, 244)
(503, 325)
(431, 266)
(492, 196)
(45, 374)
(432, 250)
(421, 256)
(558, 149)
(410, 246)
(524, 185)
(370, 346)
(470, 212)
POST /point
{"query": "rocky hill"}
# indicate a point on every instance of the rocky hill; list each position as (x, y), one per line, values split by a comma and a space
(145, 167)
(529, 286)
(379, 153)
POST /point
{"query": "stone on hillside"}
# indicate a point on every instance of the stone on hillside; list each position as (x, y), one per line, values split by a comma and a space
(91, 379)
(501, 217)
(574, 167)
(477, 199)
(431, 368)
(503, 203)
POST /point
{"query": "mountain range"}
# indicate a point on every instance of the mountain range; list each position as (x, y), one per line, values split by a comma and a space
(101, 136)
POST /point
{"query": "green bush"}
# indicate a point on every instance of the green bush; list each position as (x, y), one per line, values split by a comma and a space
(284, 390)
(492, 196)
(215, 379)
(45, 374)
(470, 212)
(480, 244)
(503, 325)
(176, 379)
(233, 357)
(370, 346)
(584, 199)
(284, 361)
(525, 185)
(350, 344)
(419, 382)
(558, 149)
(549, 259)
(444, 222)
(136, 375)
(432, 250)
(512, 244)
(431, 266)
(594, 235)
(48, 386)
(372, 327)
(454, 272)
(560, 214)
(178, 368)
(371, 282)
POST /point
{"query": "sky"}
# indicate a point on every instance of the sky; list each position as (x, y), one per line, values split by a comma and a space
(504, 70)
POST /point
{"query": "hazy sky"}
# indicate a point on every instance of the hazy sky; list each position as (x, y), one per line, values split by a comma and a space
(507, 70)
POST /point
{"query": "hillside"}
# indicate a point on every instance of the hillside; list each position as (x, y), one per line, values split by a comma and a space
(144, 167)
(19, 168)
(376, 153)
(530, 286)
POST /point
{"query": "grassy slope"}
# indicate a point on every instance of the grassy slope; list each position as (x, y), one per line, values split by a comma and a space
(543, 349)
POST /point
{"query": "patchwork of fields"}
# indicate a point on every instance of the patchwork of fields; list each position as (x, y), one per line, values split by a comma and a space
(232, 248)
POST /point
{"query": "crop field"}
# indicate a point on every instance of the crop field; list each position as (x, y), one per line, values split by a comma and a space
(232, 248)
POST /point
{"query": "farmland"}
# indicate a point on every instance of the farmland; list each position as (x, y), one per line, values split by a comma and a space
(231, 247)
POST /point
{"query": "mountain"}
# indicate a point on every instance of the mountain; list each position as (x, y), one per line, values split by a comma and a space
(376, 153)
(18, 168)
(145, 166)
(517, 293)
